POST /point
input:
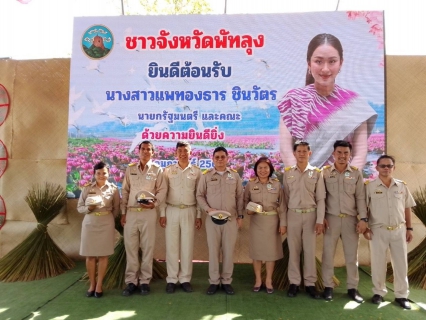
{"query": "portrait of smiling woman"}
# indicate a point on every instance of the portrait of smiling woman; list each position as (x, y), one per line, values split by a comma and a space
(323, 112)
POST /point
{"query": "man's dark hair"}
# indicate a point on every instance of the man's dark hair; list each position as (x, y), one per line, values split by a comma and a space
(220, 149)
(342, 143)
(385, 156)
(100, 165)
(146, 142)
(301, 143)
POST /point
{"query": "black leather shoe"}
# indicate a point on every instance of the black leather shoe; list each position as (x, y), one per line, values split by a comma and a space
(90, 294)
(129, 290)
(377, 299)
(145, 289)
(212, 289)
(170, 288)
(328, 293)
(292, 291)
(99, 294)
(186, 286)
(354, 294)
(403, 302)
(312, 292)
(228, 289)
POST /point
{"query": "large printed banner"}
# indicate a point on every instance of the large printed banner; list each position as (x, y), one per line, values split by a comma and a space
(237, 81)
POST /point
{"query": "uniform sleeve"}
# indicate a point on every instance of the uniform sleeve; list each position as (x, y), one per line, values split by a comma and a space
(116, 202)
(361, 204)
(163, 205)
(202, 194)
(409, 200)
(282, 207)
(239, 196)
(125, 191)
(81, 207)
(247, 195)
(286, 189)
(197, 181)
(320, 198)
(160, 188)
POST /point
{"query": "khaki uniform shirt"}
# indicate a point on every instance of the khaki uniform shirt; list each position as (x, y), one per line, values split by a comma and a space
(182, 186)
(270, 196)
(108, 192)
(304, 190)
(135, 180)
(345, 191)
(221, 192)
(387, 205)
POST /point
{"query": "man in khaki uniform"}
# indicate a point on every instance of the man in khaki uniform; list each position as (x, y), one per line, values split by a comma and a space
(180, 216)
(220, 188)
(345, 199)
(305, 194)
(139, 219)
(389, 202)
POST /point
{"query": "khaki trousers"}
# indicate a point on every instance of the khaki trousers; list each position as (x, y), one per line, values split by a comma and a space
(179, 230)
(301, 234)
(139, 231)
(344, 228)
(221, 238)
(395, 241)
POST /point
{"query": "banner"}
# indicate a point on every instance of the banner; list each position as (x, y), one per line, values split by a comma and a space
(236, 81)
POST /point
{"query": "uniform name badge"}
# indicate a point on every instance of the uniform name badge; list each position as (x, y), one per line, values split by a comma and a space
(269, 187)
(229, 176)
(150, 176)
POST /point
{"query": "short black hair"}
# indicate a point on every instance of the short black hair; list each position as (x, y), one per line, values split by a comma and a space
(385, 156)
(100, 165)
(301, 143)
(182, 143)
(146, 142)
(342, 143)
(220, 149)
(268, 162)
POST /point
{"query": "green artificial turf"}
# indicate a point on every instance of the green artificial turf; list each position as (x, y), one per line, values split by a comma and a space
(63, 297)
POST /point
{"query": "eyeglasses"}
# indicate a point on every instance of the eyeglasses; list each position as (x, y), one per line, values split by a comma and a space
(219, 157)
(390, 166)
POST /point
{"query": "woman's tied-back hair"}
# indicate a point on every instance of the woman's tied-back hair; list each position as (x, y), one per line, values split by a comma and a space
(319, 40)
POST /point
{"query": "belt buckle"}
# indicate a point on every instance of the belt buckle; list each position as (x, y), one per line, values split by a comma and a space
(264, 213)
(182, 206)
(97, 214)
(140, 209)
(389, 228)
(342, 215)
(304, 211)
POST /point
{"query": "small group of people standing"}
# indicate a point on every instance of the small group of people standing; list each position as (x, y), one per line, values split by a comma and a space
(331, 200)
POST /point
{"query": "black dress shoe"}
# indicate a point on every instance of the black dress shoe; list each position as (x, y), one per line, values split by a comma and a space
(228, 289)
(354, 294)
(403, 302)
(377, 299)
(90, 294)
(145, 289)
(99, 294)
(293, 290)
(212, 289)
(312, 292)
(328, 293)
(129, 290)
(186, 286)
(170, 288)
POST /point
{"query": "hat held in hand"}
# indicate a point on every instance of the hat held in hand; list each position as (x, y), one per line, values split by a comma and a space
(253, 206)
(220, 216)
(93, 201)
(145, 197)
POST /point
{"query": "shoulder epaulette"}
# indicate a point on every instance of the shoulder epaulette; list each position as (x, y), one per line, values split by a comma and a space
(155, 164)
(252, 179)
(275, 179)
(326, 167)
(367, 182)
(354, 168)
(401, 181)
(207, 170)
(133, 164)
(318, 169)
(287, 168)
(170, 165)
(195, 166)
(233, 170)
(87, 184)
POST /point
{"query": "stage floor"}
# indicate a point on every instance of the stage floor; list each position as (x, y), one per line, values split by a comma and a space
(63, 297)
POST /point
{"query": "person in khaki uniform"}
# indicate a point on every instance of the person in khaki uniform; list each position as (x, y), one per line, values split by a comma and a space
(345, 199)
(305, 197)
(389, 202)
(266, 227)
(139, 219)
(180, 216)
(220, 188)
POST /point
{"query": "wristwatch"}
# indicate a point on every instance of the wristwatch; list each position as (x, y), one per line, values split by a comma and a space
(240, 216)
(364, 219)
(411, 229)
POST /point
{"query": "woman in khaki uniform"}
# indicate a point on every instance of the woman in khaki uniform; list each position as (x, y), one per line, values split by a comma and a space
(266, 227)
(100, 202)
